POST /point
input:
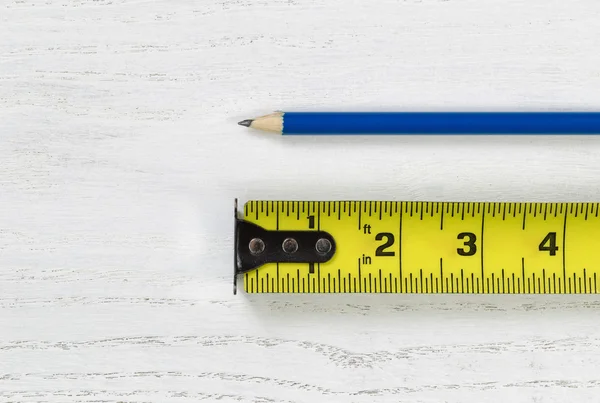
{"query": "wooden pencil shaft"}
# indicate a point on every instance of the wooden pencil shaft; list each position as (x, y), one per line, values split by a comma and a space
(514, 123)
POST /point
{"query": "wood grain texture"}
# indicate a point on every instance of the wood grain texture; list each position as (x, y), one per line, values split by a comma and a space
(120, 159)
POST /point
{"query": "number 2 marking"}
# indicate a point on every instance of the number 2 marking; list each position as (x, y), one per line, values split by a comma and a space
(380, 251)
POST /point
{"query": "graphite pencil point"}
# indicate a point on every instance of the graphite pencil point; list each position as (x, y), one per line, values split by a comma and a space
(246, 122)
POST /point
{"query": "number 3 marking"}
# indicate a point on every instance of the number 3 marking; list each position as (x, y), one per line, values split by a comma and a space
(470, 243)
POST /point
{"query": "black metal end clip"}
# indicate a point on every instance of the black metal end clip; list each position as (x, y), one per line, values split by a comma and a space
(255, 246)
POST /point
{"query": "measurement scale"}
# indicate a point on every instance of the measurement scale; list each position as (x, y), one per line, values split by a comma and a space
(417, 247)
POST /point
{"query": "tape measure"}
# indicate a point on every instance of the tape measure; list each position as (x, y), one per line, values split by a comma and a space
(417, 247)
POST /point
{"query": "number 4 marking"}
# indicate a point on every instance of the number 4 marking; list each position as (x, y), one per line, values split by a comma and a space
(549, 244)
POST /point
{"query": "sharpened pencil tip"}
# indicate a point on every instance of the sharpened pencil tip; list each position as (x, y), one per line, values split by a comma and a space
(246, 122)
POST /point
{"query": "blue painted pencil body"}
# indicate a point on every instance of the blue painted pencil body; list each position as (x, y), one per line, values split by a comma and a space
(305, 123)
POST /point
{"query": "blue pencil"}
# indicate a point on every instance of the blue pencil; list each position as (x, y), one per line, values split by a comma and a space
(352, 123)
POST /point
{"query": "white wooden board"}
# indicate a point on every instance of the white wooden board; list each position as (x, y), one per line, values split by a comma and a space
(120, 159)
